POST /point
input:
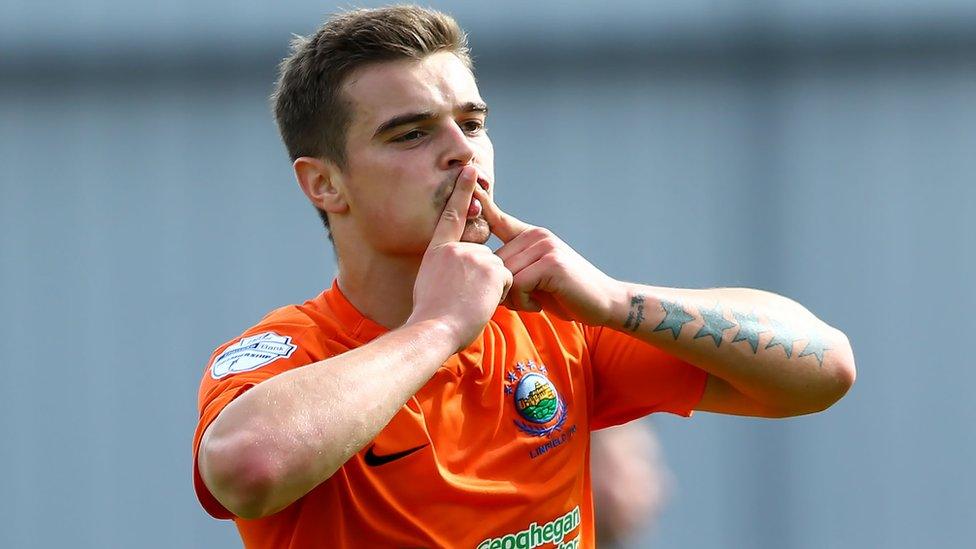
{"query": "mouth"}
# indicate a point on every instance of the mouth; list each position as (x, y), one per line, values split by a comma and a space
(475, 208)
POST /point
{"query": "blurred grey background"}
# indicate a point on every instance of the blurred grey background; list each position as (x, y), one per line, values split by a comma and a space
(822, 149)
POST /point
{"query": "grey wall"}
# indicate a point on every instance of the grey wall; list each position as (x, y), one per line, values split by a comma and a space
(818, 149)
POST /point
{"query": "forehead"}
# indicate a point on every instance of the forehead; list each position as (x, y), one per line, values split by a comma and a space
(380, 91)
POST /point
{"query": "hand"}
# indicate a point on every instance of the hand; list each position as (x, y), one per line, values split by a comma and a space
(459, 283)
(547, 273)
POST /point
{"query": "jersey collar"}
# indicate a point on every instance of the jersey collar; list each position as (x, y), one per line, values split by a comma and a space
(359, 327)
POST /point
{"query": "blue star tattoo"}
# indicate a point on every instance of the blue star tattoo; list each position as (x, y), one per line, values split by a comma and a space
(816, 347)
(749, 330)
(674, 319)
(782, 336)
(714, 324)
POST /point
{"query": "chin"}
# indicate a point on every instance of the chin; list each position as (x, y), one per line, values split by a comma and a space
(476, 231)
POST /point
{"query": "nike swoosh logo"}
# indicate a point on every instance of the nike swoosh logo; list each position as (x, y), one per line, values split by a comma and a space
(374, 460)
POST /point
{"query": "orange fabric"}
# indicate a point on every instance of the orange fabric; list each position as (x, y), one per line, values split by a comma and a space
(487, 475)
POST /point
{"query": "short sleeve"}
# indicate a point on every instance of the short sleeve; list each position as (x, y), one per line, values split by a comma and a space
(236, 366)
(632, 379)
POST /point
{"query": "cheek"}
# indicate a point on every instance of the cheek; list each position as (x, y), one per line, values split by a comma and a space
(402, 207)
(377, 189)
(394, 195)
(486, 158)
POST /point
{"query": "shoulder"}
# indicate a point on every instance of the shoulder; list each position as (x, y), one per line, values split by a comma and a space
(291, 321)
(292, 318)
(299, 330)
(312, 318)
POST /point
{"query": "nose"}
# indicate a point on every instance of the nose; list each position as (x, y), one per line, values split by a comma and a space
(458, 150)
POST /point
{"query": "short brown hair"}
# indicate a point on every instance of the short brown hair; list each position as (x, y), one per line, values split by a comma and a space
(311, 113)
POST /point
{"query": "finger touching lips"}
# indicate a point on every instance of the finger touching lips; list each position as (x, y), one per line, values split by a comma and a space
(450, 226)
(502, 225)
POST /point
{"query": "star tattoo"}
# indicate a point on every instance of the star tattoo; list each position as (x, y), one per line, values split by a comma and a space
(714, 324)
(674, 319)
(816, 347)
(782, 336)
(749, 330)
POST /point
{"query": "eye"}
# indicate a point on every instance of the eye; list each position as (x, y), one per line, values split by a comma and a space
(412, 135)
(473, 127)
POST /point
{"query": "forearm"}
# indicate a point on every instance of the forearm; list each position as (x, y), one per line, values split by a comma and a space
(769, 348)
(288, 434)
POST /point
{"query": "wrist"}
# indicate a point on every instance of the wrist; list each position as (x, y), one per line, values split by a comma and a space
(436, 332)
(633, 307)
(619, 308)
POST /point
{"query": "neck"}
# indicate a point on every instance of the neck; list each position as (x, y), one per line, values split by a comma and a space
(380, 287)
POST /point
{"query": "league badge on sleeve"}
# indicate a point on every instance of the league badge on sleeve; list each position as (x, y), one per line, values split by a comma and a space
(250, 353)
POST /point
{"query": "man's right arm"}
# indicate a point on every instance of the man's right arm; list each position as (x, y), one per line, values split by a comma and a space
(283, 437)
(286, 435)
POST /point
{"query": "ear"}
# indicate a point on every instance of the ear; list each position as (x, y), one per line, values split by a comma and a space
(321, 181)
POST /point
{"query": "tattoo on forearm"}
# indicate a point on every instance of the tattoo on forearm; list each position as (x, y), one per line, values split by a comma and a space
(749, 330)
(674, 319)
(636, 314)
(715, 324)
(816, 347)
(783, 336)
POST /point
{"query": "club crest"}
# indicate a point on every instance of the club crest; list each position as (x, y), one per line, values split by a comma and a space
(536, 399)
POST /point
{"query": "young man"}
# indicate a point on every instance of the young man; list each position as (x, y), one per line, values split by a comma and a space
(440, 394)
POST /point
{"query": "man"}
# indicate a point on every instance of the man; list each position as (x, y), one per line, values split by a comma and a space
(440, 394)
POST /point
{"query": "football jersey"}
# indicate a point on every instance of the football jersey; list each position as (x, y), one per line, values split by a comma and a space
(492, 452)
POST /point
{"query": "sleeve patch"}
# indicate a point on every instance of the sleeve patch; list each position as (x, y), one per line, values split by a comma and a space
(251, 353)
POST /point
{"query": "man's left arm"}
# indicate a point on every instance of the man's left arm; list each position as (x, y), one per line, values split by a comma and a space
(766, 355)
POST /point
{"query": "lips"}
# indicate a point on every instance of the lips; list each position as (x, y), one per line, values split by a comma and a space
(474, 209)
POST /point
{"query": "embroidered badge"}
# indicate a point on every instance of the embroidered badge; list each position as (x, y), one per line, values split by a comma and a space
(251, 353)
(536, 399)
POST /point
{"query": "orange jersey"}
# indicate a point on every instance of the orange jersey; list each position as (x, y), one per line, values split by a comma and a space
(493, 452)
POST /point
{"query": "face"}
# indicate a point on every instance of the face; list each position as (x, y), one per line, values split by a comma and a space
(415, 124)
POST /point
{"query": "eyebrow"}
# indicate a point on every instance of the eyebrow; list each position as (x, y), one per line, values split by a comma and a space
(410, 118)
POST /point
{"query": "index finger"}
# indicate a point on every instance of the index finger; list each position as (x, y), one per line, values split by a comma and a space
(450, 226)
(504, 226)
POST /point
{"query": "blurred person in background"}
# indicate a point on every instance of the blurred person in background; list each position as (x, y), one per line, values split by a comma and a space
(631, 482)
(440, 394)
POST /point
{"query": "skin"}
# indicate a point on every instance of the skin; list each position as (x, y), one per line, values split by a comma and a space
(413, 261)
(770, 380)
(384, 203)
